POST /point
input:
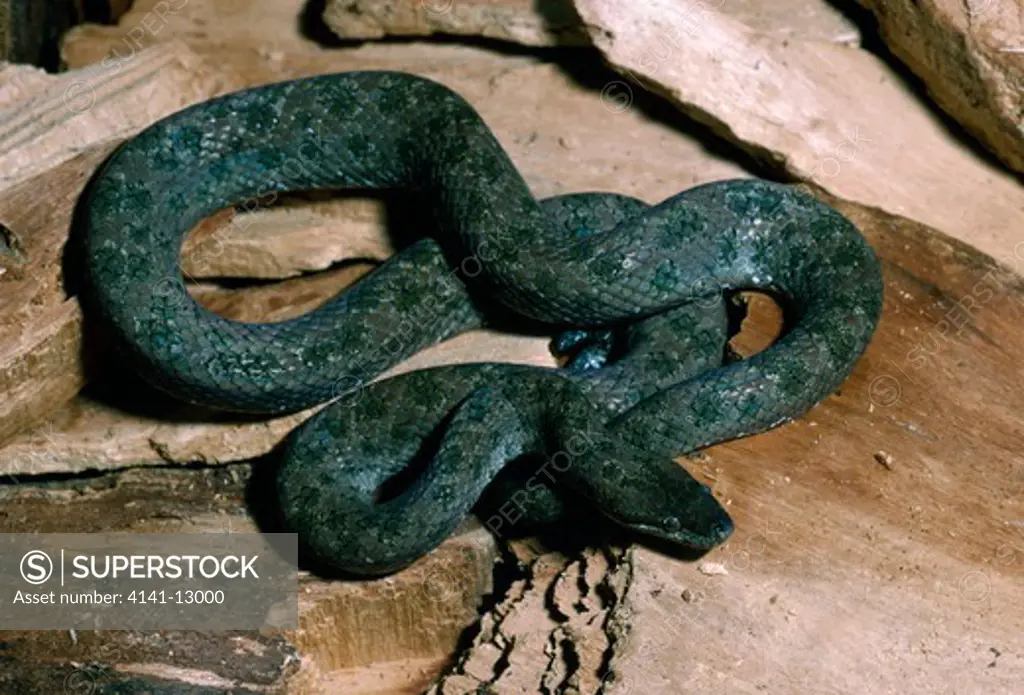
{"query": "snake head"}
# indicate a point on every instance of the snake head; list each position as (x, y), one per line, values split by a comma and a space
(701, 524)
(657, 497)
(694, 520)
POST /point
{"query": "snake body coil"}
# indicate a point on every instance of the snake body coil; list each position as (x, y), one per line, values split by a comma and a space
(602, 268)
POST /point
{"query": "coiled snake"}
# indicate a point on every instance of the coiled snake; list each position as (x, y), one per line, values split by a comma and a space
(638, 294)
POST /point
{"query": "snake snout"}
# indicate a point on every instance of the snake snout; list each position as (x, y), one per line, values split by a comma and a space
(722, 529)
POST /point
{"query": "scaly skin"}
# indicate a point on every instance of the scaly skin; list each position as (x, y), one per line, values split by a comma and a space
(655, 276)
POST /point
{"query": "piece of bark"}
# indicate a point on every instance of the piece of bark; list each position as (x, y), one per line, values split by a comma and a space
(409, 622)
(555, 22)
(548, 633)
(833, 115)
(833, 555)
(970, 55)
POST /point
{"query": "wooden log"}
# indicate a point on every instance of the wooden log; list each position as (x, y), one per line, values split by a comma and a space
(409, 622)
(41, 363)
(548, 633)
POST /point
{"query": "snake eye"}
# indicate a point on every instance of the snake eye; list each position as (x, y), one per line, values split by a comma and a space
(671, 524)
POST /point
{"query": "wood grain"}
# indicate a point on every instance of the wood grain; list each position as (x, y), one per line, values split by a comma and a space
(846, 575)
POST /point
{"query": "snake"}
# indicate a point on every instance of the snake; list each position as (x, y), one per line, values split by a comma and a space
(640, 300)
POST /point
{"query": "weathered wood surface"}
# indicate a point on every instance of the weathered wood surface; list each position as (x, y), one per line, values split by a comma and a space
(529, 22)
(981, 205)
(48, 121)
(550, 630)
(970, 54)
(411, 621)
(783, 90)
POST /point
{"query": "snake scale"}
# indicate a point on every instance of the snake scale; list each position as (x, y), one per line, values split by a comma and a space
(641, 300)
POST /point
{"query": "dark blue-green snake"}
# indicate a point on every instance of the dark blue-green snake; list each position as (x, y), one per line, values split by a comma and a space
(641, 299)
